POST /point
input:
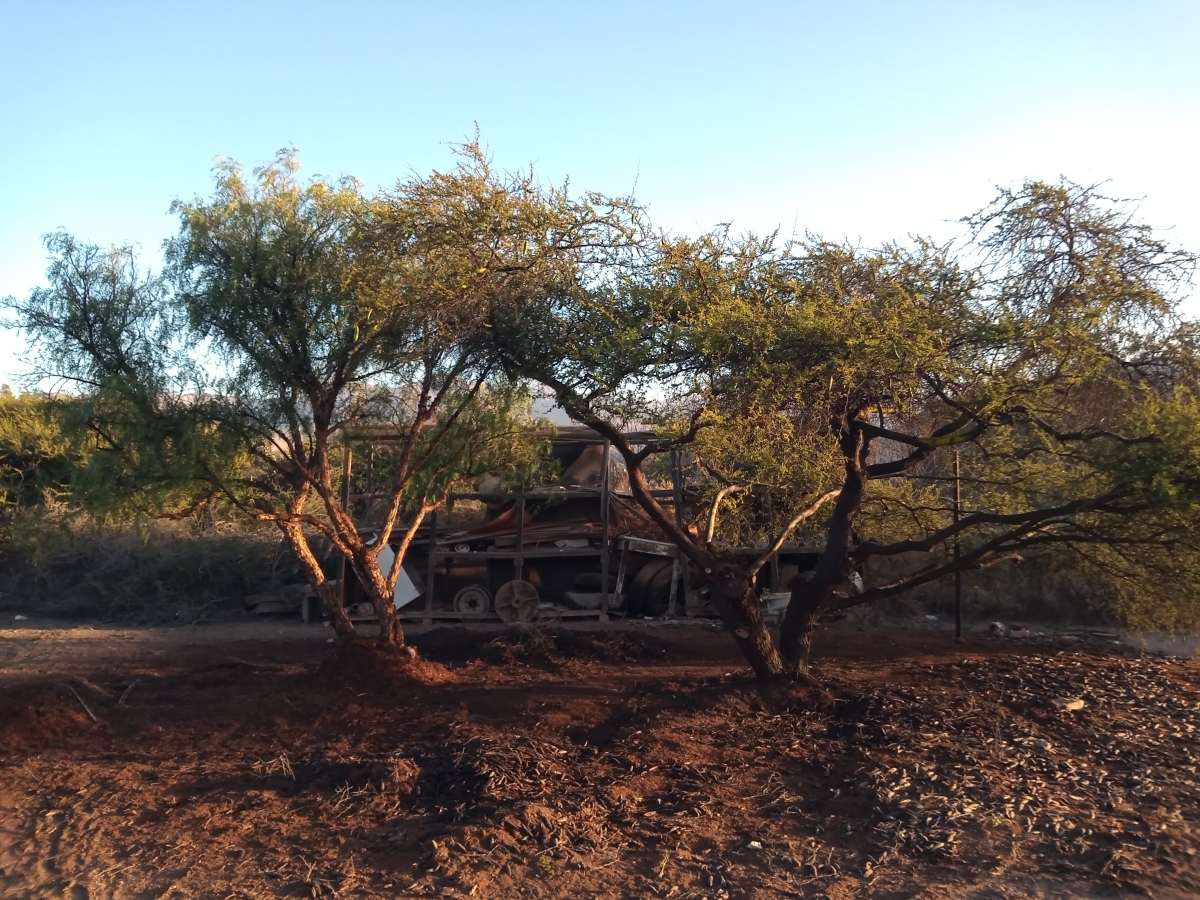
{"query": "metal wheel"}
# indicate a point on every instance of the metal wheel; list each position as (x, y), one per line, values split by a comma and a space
(474, 598)
(517, 601)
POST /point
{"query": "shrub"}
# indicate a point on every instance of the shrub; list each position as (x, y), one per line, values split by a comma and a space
(64, 564)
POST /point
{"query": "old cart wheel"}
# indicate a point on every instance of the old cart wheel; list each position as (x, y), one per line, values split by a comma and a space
(517, 601)
(474, 598)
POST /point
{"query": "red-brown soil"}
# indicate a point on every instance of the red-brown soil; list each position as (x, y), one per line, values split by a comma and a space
(262, 761)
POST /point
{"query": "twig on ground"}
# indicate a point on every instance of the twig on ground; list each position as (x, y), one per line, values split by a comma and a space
(87, 709)
(125, 693)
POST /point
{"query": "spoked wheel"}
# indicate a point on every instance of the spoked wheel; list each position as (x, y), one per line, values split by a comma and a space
(517, 601)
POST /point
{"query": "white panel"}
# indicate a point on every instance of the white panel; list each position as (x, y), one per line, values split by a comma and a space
(406, 591)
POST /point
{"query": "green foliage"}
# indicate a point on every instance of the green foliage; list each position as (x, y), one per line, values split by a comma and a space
(1059, 368)
(298, 317)
(39, 453)
(1049, 354)
(101, 319)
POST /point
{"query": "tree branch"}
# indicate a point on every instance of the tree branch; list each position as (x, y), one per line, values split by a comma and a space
(946, 436)
(791, 526)
(1089, 434)
(1028, 520)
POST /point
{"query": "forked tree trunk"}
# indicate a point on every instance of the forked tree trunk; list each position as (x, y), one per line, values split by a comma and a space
(330, 599)
(741, 613)
(810, 597)
(374, 584)
(732, 587)
(360, 560)
(795, 632)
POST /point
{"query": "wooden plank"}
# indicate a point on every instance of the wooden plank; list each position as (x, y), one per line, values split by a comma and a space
(536, 553)
(546, 615)
(569, 494)
(563, 434)
(448, 615)
(654, 548)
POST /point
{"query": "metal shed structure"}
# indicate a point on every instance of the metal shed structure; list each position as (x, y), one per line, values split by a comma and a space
(576, 544)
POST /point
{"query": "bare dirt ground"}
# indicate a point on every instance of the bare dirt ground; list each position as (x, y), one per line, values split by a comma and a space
(259, 760)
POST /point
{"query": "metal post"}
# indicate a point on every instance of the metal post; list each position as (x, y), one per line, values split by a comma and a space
(957, 549)
(347, 466)
(679, 568)
(347, 469)
(449, 561)
(604, 534)
(769, 508)
(429, 568)
(675, 563)
(519, 559)
(621, 567)
(370, 482)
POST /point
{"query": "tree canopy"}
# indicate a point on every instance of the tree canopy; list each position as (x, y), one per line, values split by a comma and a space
(291, 314)
(818, 388)
(1049, 353)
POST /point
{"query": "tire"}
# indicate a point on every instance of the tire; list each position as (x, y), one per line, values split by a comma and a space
(650, 593)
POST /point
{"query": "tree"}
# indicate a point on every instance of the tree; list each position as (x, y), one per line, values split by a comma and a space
(623, 348)
(292, 313)
(1053, 359)
(1039, 366)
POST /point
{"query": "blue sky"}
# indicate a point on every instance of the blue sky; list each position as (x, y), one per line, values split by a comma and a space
(866, 121)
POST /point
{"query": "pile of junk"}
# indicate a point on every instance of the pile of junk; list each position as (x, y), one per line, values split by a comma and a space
(578, 549)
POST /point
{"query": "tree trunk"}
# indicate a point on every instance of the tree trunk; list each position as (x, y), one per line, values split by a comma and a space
(808, 598)
(342, 626)
(366, 566)
(741, 614)
(795, 632)
(732, 588)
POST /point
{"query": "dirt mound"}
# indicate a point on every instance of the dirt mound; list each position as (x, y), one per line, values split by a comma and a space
(369, 666)
(611, 646)
(540, 647)
(34, 714)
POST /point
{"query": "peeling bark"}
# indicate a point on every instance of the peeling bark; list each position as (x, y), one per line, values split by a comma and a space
(342, 626)
(366, 567)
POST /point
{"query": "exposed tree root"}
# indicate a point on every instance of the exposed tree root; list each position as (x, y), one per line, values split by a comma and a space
(796, 690)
